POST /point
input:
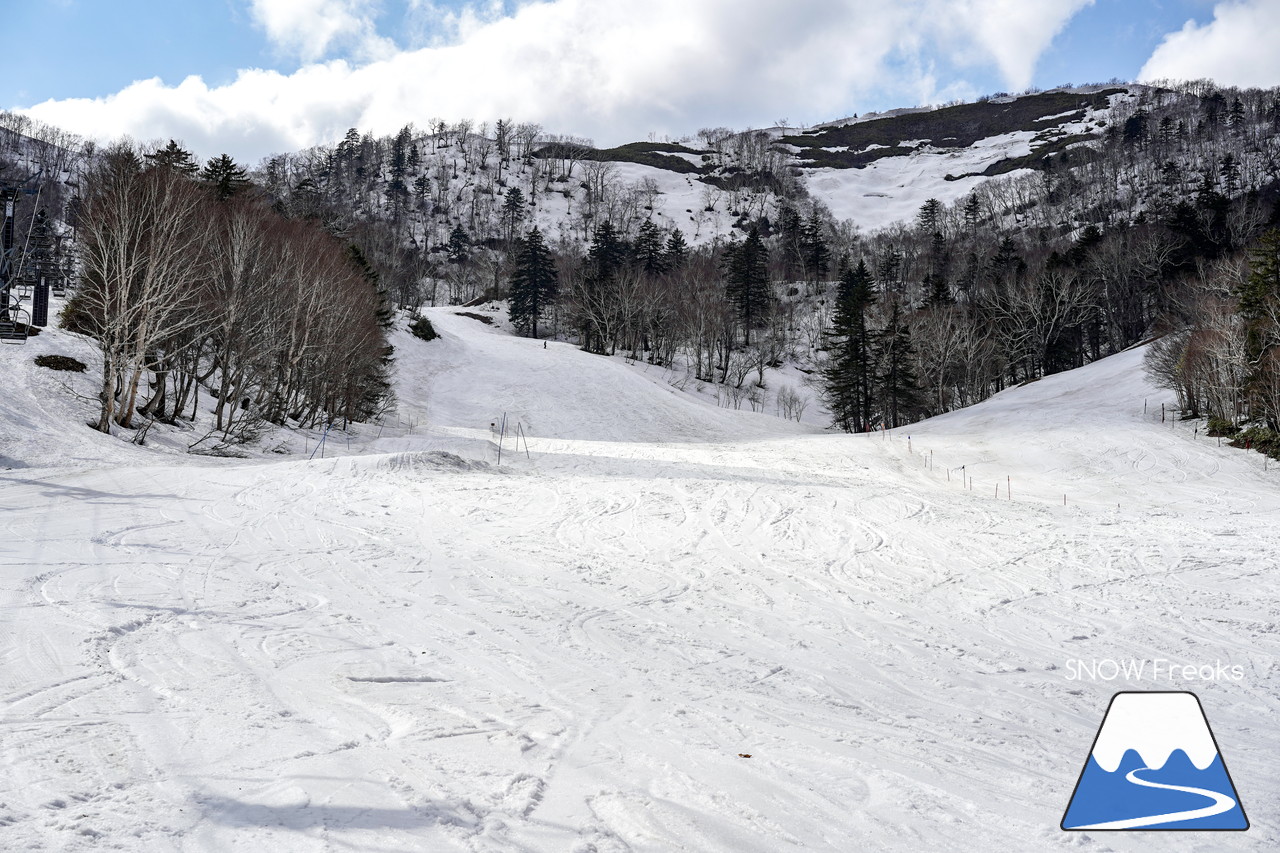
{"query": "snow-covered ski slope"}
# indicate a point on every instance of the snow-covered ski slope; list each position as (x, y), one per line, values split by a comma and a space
(409, 647)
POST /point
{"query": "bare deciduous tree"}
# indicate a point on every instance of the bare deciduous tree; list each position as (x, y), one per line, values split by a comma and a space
(143, 237)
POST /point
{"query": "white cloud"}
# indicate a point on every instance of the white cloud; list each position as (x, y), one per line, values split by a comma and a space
(612, 71)
(309, 29)
(1013, 32)
(1239, 47)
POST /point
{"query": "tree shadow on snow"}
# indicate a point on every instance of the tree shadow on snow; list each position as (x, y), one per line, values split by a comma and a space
(334, 818)
(837, 472)
(51, 489)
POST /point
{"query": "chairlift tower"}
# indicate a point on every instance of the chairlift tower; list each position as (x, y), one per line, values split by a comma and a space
(42, 268)
(9, 197)
(30, 270)
(12, 330)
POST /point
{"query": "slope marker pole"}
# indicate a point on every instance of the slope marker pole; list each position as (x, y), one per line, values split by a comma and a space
(320, 446)
(501, 434)
(520, 435)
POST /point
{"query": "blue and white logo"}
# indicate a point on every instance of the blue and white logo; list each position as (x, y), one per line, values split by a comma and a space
(1155, 765)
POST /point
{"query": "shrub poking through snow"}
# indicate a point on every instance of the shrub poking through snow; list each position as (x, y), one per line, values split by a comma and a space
(1259, 438)
(1221, 427)
(422, 328)
(61, 362)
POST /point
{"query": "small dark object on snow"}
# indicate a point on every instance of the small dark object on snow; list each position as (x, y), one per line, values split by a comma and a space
(421, 328)
(61, 362)
(488, 321)
(744, 755)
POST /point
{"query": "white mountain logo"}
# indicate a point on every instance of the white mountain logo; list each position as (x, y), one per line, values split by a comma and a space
(1155, 765)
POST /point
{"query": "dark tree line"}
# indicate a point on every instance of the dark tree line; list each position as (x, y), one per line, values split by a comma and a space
(1222, 357)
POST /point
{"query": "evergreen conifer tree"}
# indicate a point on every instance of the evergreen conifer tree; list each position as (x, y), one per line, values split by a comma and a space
(349, 147)
(305, 200)
(846, 379)
(422, 190)
(1230, 174)
(398, 186)
(1260, 294)
(459, 245)
(513, 211)
(386, 315)
(1235, 116)
(817, 257)
(790, 240)
(1006, 264)
(899, 390)
(889, 268)
(677, 251)
(224, 177)
(606, 258)
(174, 156)
(937, 293)
(747, 284)
(607, 254)
(400, 152)
(649, 250)
(972, 211)
(930, 215)
(939, 271)
(534, 283)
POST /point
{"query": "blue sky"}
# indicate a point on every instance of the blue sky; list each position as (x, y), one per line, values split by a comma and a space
(97, 54)
(1114, 38)
(282, 74)
(166, 39)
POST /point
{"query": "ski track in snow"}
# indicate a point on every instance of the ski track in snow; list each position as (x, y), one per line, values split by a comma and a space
(412, 648)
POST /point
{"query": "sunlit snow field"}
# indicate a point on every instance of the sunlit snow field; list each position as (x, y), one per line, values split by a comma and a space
(407, 647)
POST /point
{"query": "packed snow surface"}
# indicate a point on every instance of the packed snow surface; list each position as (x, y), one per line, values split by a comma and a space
(656, 625)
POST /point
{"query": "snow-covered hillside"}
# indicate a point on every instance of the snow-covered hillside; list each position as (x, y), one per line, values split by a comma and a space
(666, 627)
(712, 187)
(891, 190)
